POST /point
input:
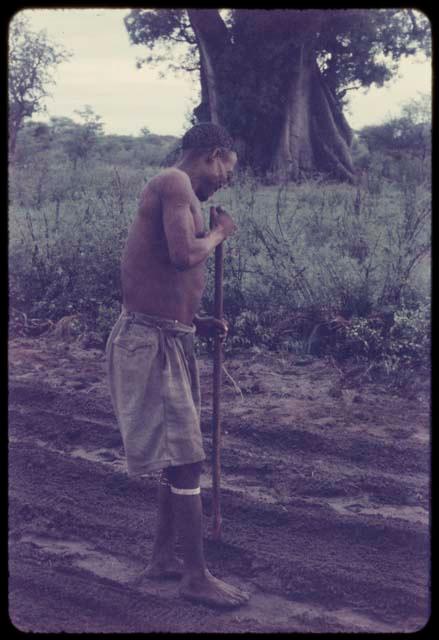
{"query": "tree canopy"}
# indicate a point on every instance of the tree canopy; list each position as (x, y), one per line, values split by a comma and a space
(353, 47)
(32, 61)
(278, 79)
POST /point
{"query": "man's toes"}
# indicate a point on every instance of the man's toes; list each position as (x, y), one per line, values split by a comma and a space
(227, 599)
(240, 595)
(232, 594)
(215, 596)
(231, 589)
(241, 598)
(236, 593)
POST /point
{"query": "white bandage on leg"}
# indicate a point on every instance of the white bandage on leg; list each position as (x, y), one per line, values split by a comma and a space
(185, 492)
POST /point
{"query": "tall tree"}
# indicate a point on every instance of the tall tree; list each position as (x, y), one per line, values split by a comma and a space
(278, 79)
(32, 61)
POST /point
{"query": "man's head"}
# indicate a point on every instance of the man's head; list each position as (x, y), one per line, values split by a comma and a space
(208, 157)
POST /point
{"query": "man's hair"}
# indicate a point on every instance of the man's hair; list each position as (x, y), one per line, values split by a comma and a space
(207, 136)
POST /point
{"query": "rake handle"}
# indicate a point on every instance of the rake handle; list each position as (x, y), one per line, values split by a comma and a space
(217, 379)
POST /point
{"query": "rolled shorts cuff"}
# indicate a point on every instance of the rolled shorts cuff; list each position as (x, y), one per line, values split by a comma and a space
(157, 465)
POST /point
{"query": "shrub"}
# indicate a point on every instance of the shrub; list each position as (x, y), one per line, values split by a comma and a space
(319, 244)
(395, 349)
(315, 247)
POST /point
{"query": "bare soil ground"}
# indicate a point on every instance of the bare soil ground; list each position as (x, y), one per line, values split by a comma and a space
(325, 501)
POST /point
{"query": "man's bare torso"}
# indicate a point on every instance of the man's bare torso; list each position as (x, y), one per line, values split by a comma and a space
(151, 283)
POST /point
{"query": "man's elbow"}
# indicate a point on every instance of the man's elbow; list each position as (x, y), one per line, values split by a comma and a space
(182, 262)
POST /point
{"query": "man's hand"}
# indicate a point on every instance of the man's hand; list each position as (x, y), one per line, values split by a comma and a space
(222, 221)
(209, 327)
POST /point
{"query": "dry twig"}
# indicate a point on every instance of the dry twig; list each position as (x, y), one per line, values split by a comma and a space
(236, 387)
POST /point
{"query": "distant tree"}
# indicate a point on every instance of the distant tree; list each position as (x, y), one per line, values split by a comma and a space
(81, 139)
(409, 133)
(145, 132)
(32, 62)
(35, 138)
(417, 115)
(278, 79)
(418, 109)
(59, 125)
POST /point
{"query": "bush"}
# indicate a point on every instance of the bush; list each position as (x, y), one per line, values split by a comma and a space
(391, 349)
(314, 248)
(318, 245)
(64, 255)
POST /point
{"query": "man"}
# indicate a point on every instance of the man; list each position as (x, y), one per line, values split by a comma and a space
(152, 369)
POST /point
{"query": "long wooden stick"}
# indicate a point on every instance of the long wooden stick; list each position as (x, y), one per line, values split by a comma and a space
(217, 370)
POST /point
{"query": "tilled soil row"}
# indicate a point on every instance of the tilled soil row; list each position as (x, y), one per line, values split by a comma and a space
(298, 531)
(303, 554)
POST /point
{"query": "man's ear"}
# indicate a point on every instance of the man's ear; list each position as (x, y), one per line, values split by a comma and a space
(214, 154)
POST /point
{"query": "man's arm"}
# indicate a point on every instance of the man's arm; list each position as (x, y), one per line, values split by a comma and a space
(185, 249)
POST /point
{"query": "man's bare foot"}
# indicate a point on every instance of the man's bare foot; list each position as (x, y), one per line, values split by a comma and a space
(165, 568)
(213, 592)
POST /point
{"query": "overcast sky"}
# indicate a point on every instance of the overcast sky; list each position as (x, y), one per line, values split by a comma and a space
(102, 73)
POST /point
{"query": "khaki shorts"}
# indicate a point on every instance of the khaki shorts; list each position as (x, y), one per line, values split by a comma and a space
(155, 390)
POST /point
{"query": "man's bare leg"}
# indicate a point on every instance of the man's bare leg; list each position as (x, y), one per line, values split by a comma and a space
(164, 563)
(198, 584)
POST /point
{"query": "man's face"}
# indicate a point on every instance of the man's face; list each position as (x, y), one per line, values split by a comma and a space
(216, 171)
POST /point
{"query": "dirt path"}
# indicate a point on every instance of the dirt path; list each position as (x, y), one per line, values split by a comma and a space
(325, 502)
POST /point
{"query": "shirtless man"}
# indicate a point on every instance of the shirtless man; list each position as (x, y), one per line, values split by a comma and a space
(152, 369)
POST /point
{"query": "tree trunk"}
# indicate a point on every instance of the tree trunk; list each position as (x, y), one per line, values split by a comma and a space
(309, 134)
(15, 122)
(13, 131)
(209, 78)
(314, 135)
(332, 136)
(212, 39)
(294, 153)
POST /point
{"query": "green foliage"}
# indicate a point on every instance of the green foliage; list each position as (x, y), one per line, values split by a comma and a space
(252, 328)
(393, 351)
(303, 253)
(349, 44)
(31, 62)
(83, 142)
(408, 134)
(400, 149)
(361, 47)
(258, 50)
(80, 140)
(69, 215)
(341, 246)
(168, 27)
(67, 229)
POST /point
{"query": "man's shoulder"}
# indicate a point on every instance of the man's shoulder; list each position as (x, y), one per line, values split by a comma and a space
(171, 179)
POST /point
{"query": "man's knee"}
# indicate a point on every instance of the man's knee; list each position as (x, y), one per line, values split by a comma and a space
(186, 476)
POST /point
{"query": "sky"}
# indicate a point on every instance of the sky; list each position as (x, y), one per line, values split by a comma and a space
(102, 73)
